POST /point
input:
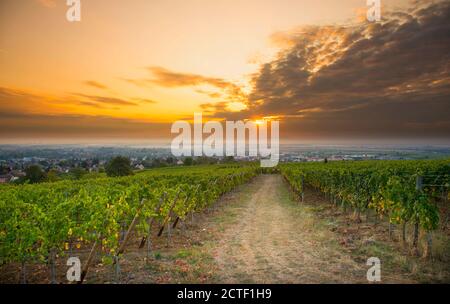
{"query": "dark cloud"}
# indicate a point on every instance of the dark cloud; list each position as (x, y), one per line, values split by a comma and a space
(20, 118)
(12, 100)
(377, 79)
(16, 125)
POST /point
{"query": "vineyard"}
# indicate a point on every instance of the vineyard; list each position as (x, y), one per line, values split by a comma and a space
(403, 191)
(40, 222)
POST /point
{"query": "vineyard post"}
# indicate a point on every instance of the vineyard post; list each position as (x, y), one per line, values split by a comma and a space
(53, 265)
(195, 206)
(183, 227)
(168, 214)
(187, 198)
(122, 231)
(391, 225)
(213, 184)
(404, 232)
(130, 229)
(428, 252)
(116, 269)
(149, 246)
(70, 247)
(419, 186)
(23, 273)
(169, 233)
(169, 226)
(88, 262)
(303, 189)
(150, 223)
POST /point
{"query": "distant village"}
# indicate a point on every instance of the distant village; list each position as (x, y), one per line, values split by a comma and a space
(74, 161)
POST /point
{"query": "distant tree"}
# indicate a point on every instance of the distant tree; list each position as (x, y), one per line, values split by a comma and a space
(119, 166)
(147, 163)
(325, 160)
(158, 162)
(229, 159)
(170, 160)
(53, 175)
(4, 169)
(205, 160)
(35, 174)
(85, 164)
(44, 163)
(78, 172)
(188, 161)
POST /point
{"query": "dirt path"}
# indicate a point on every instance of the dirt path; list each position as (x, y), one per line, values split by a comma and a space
(276, 240)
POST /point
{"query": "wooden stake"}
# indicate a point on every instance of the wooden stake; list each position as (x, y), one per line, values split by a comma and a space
(168, 214)
(416, 238)
(151, 220)
(116, 269)
(176, 222)
(303, 190)
(89, 260)
(130, 229)
(169, 234)
(404, 233)
(185, 201)
(53, 266)
(428, 252)
(419, 186)
(23, 273)
(391, 229)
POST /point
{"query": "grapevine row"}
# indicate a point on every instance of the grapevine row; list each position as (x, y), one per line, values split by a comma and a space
(390, 188)
(38, 221)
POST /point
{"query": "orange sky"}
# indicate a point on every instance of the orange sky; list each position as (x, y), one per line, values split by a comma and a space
(147, 60)
(42, 53)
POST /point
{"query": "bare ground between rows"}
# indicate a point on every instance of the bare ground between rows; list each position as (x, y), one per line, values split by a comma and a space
(277, 240)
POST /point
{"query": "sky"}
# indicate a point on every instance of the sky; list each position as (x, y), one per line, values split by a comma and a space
(130, 69)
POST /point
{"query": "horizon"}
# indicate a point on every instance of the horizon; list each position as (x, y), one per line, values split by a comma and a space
(395, 143)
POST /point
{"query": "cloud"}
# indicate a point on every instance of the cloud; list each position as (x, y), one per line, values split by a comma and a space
(145, 100)
(214, 107)
(220, 88)
(19, 125)
(95, 84)
(167, 78)
(20, 118)
(20, 101)
(12, 100)
(108, 100)
(374, 79)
